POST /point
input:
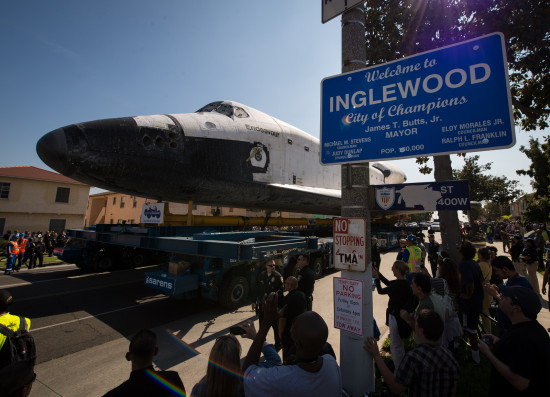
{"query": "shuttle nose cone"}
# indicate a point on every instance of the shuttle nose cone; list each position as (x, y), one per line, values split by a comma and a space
(52, 150)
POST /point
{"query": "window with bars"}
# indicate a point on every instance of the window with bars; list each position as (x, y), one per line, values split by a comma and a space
(5, 190)
(62, 195)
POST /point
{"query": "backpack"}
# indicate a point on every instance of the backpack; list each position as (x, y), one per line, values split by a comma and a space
(19, 345)
(442, 301)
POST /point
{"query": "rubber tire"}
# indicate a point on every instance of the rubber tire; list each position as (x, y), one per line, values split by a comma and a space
(138, 260)
(234, 292)
(104, 263)
(317, 268)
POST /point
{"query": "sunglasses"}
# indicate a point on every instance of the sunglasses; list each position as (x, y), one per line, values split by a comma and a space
(272, 265)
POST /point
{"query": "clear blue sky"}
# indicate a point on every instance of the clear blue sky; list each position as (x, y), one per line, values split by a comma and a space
(73, 61)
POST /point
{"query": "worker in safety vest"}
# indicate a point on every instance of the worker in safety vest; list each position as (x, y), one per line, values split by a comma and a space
(412, 255)
(545, 234)
(22, 244)
(12, 250)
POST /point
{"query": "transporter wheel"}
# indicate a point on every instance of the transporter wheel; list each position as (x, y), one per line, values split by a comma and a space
(104, 262)
(317, 268)
(138, 259)
(234, 292)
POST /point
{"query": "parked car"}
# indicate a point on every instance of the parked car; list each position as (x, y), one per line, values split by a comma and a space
(435, 226)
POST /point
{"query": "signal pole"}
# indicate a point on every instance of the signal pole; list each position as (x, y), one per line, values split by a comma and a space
(357, 366)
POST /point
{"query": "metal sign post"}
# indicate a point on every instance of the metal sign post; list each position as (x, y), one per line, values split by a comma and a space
(356, 364)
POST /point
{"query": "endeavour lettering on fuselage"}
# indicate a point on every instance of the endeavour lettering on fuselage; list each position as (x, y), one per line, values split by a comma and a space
(263, 130)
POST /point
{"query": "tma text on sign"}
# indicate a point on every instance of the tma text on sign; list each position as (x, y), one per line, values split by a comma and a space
(350, 247)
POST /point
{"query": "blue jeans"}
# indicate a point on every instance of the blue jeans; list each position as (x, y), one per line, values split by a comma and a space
(10, 262)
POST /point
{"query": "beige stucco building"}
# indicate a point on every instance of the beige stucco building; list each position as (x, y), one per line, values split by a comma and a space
(111, 207)
(33, 199)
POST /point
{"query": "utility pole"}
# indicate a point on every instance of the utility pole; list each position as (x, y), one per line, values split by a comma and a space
(357, 365)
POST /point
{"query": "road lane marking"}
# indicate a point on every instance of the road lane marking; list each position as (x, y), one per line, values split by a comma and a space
(70, 277)
(153, 300)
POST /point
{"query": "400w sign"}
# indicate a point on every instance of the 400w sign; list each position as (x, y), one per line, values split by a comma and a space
(350, 245)
(432, 196)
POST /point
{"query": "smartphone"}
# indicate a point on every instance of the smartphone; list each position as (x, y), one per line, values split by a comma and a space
(236, 330)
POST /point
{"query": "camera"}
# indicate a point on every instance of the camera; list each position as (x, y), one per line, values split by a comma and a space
(236, 330)
(487, 340)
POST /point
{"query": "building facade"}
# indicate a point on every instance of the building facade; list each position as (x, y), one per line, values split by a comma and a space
(33, 199)
(118, 208)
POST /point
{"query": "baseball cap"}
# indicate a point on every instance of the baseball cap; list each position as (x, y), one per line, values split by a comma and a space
(526, 298)
(5, 300)
(411, 237)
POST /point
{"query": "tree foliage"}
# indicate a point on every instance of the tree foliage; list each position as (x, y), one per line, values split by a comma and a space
(493, 211)
(538, 209)
(484, 187)
(539, 170)
(538, 205)
(398, 28)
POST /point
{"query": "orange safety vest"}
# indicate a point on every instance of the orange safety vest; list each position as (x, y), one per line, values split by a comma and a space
(23, 245)
(14, 248)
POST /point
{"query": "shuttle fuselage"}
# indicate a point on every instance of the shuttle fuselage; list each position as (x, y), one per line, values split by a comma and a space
(224, 154)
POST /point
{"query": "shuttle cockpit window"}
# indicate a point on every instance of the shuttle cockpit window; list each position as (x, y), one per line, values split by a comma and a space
(209, 107)
(240, 112)
(225, 109)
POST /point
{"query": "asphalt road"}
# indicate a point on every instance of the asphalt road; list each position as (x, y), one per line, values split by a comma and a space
(72, 311)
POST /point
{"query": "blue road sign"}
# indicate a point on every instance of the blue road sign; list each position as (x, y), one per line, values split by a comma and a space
(431, 196)
(454, 99)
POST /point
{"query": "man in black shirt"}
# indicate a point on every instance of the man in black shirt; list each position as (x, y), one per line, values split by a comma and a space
(144, 379)
(529, 258)
(270, 280)
(433, 249)
(521, 358)
(306, 280)
(515, 252)
(294, 304)
(375, 251)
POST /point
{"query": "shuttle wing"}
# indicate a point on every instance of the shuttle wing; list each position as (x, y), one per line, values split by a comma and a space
(334, 193)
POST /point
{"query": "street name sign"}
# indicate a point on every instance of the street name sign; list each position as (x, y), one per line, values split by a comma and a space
(431, 196)
(333, 8)
(348, 305)
(349, 244)
(454, 99)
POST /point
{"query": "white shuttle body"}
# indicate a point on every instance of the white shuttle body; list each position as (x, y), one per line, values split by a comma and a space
(226, 153)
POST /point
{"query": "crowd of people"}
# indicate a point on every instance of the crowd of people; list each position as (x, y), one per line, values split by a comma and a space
(455, 303)
(441, 305)
(28, 249)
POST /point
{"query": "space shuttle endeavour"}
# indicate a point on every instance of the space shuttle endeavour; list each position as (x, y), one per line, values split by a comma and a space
(225, 153)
